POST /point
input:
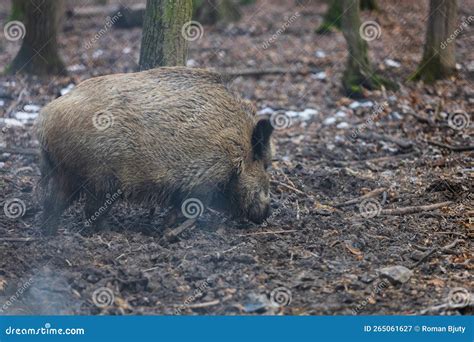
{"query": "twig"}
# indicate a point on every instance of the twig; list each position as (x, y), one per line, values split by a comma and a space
(288, 187)
(15, 103)
(17, 239)
(446, 248)
(269, 71)
(416, 209)
(173, 234)
(20, 150)
(422, 119)
(370, 194)
(400, 142)
(452, 148)
(269, 232)
(199, 305)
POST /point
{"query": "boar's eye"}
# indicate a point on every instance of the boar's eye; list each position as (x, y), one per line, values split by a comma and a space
(261, 138)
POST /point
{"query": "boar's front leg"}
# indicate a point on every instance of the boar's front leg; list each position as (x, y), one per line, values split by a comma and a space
(56, 199)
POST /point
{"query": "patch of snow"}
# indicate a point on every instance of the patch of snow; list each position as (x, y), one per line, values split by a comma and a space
(66, 90)
(25, 117)
(319, 76)
(320, 54)
(329, 121)
(302, 115)
(342, 125)
(126, 50)
(340, 114)
(97, 53)
(357, 104)
(191, 63)
(266, 110)
(31, 108)
(76, 67)
(12, 122)
(392, 63)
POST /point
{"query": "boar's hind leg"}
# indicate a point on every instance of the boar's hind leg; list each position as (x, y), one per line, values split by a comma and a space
(58, 197)
(98, 204)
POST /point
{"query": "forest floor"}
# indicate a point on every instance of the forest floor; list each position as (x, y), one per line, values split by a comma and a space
(318, 254)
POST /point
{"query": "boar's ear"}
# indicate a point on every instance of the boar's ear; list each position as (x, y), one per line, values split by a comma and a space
(261, 138)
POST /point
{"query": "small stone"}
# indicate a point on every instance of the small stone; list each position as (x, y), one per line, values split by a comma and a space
(397, 274)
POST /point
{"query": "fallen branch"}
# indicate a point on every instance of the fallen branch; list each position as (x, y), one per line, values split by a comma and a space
(452, 148)
(398, 141)
(17, 239)
(20, 150)
(415, 209)
(288, 187)
(370, 194)
(431, 252)
(269, 232)
(173, 234)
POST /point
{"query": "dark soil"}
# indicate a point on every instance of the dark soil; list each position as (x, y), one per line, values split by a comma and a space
(326, 256)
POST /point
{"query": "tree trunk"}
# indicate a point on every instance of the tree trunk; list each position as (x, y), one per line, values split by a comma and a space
(332, 18)
(164, 41)
(359, 73)
(369, 5)
(438, 57)
(39, 51)
(209, 12)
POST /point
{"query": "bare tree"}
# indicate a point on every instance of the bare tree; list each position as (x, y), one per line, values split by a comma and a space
(438, 57)
(359, 72)
(211, 11)
(163, 41)
(332, 18)
(39, 51)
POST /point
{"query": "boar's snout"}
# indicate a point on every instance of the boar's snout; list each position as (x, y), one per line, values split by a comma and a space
(260, 209)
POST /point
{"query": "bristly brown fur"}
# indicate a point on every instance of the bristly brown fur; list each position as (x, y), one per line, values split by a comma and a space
(174, 133)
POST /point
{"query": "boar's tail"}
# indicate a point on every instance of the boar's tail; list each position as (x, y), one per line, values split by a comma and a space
(46, 168)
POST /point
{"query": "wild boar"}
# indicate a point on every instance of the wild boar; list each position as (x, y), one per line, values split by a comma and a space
(156, 137)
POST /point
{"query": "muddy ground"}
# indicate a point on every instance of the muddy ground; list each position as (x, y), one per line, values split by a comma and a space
(317, 254)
